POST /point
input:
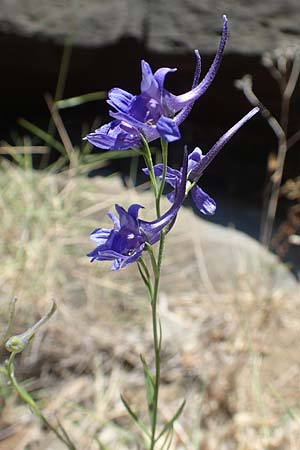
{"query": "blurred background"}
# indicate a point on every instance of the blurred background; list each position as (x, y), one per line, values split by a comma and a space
(229, 307)
(101, 44)
(104, 43)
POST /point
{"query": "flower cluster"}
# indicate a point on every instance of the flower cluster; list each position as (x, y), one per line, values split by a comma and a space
(125, 243)
(155, 113)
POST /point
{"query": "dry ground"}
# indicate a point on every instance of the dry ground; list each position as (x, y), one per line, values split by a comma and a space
(232, 350)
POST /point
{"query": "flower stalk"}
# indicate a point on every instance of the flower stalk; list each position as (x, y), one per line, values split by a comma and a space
(138, 120)
(156, 329)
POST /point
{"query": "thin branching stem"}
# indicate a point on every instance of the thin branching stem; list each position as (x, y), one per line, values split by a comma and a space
(26, 397)
(280, 129)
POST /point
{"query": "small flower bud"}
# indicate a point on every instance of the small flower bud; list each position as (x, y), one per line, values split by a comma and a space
(17, 343)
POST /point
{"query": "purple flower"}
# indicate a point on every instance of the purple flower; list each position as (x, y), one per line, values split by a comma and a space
(155, 112)
(124, 244)
(197, 163)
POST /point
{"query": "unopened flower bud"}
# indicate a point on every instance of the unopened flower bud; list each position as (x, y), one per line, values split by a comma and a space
(18, 343)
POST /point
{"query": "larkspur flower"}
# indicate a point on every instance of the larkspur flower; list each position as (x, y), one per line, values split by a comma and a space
(124, 244)
(197, 163)
(155, 112)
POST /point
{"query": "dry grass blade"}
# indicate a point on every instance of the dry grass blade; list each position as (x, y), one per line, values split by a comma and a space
(89, 352)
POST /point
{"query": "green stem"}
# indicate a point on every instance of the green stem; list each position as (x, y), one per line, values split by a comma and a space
(27, 399)
(156, 337)
(149, 163)
(156, 268)
(156, 265)
(164, 151)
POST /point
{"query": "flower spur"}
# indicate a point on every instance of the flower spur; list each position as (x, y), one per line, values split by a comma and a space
(197, 163)
(155, 112)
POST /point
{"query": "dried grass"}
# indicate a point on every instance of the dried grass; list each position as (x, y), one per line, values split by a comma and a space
(234, 354)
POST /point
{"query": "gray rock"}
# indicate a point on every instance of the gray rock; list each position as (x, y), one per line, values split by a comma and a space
(210, 257)
(84, 22)
(169, 26)
(227, 259)
(177, 25)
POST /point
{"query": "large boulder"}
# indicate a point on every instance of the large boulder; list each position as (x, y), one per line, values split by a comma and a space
(110, 37)
(169, 26)
(211, 258)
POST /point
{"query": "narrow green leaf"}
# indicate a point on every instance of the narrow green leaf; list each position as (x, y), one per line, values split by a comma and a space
(160, 335)
(168, 440)
(111, 154)
(149, 384)
(80, 99)
(143, 270)
(288, 410)
(146, 282)
(46, 137)
(171, 422)
(135, 417)
(100, 444)
(68, 441)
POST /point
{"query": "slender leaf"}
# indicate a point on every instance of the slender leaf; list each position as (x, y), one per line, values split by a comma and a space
(160, 335)
(171, 422)
(135, 417)
(288, 410)
(79, 100)
(168, 439)
(111, 154)
(66, 436)
(150, 388)
(46, 137)
(146, 282)
(100, 444)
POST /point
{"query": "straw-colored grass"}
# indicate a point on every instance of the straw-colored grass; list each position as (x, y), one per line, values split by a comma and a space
(233, 354)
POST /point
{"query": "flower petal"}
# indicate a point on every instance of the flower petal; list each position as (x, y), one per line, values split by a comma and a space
(120, 100)
(183, 114)
(127, 221)
(149, 85)
(100, 235)
(168, 129)
(115, 220)
(133, 210)
(203, 201)
(113, 137)
(173, 176)
(151, 229)
(194, 160)
(160, 76)
(176, 103)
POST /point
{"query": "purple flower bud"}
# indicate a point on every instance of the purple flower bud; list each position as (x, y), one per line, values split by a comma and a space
(197, 163)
